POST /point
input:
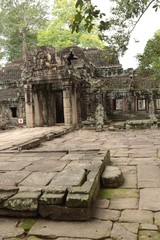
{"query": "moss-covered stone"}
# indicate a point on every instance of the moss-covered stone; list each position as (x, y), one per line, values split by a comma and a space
(15, 238)
(149, 235)
(27, 224)
(118, 193)
(33, 238)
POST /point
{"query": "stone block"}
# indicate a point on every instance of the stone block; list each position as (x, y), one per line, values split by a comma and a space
(78, 201)
(54, 189)
(69, 177)
(150, 199)
(52, 198)
(7, 192)
(63, 213)
(24, 200)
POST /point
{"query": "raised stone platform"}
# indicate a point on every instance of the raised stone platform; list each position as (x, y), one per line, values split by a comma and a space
(59, 185)
(141, 124)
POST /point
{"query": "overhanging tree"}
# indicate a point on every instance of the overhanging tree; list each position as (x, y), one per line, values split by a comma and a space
(57, 31)
(149, 61)
(115, 29)
(20, 21)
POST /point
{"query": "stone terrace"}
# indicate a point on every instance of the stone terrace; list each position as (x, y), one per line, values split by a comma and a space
(129, 212)
(60, 184)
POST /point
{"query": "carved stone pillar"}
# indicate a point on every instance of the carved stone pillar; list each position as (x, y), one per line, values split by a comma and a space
(74, 107)
(29, 106)
(67, 103)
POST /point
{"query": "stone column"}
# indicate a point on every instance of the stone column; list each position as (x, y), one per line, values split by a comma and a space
(74, 107)
(67, 103)
(29, 105)
(38, 117)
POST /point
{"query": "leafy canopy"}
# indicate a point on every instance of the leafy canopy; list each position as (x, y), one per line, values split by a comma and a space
(116, 28)
(20, 21)
(57, 31)
(149, 61)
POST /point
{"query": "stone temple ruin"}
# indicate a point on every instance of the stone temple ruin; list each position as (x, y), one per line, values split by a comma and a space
(49, 89)
(74, 87)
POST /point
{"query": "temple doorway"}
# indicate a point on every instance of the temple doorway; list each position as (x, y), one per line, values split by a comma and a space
(59, 106)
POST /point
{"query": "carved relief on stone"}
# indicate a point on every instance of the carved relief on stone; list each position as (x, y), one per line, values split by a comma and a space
(99, 117)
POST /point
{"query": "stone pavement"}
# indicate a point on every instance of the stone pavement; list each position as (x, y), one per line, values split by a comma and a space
(129, 212)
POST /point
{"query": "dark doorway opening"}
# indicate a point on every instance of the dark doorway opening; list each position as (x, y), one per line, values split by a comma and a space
(59, 107)
(14, 111)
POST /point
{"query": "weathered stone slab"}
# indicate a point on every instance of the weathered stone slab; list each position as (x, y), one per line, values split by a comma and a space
(13, 177)
(130, 176)
(69, 177)
(121, 161)
(94, 229)
(14, 166)
(143, 154)
(73, 156)
(144, 161)
(148, 234)
(145, 226)
(120, 232)
(8, 228)
(45, 165)
(38, 179)
(124, 203)
(106, 214)
(148, 176)
(136, 216)
(102, 203)
(7, 192)
(157, 218)
(150, 199)
(24, 200)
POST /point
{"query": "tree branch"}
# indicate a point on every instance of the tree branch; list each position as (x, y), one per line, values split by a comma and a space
(141, 16)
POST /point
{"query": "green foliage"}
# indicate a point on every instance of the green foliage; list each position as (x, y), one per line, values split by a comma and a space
(149, 61)
(57, 31)
(116, 28)
(27, 224)
(113, 193)
(20, 21)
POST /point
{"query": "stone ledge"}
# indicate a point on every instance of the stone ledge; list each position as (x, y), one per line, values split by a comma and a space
(69, 195)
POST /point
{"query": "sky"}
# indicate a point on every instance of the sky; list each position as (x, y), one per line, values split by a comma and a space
(148, 25)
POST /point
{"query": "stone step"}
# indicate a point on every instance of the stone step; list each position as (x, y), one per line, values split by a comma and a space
(112, 177)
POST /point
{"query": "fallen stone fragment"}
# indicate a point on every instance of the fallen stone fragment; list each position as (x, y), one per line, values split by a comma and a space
(111, 177)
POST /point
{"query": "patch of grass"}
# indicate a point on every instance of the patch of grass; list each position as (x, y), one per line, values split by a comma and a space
(118, 193)
(15, 238)
(149, 235)
(33, 238)
(27, 224)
